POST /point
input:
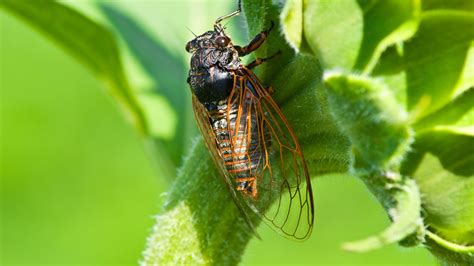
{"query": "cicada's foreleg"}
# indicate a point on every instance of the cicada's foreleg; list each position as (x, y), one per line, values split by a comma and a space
(260, 61)
(255, 43)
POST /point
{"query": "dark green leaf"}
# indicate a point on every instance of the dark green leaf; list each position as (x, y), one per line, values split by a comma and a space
(368, 114)
(452, 145)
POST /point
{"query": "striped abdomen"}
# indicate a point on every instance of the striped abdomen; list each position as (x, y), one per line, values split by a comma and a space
(243, 155)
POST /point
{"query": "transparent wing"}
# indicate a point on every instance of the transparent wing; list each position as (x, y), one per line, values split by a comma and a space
(285, 199)
(203, 121)
(282, 197)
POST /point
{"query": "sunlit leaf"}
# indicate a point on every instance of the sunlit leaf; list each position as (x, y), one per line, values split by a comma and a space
(292, 22)
(448, 199)
(169, 81)
(381, 31)
(450, 113)
(435, 58)
(326, 28)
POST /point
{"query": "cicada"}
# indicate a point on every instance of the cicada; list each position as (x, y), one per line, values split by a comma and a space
(254, 147)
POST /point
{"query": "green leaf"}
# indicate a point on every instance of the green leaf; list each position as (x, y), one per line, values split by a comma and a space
(404, 32)
(296, 80)
(74, 32)
(466, 119)
(168, 81)
(452, 146)
(88, 41)
(466, 81)
(292, 23)
(448, 252)
(442, 163)
(435, 58)
(326, 149)
(198, 213)
(256, 15)
(368, 114)
(160, 116)
(417, 75)
(381, 31)
(259, 19)
(378, 129)
(327, 25)
(450, 113)
(403, 207)
(372, 31)
(448, 4)
(448, 199)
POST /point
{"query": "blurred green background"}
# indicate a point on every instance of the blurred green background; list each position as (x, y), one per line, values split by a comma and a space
(77, 184)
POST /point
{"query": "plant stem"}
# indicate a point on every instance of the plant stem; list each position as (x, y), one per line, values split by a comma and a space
(200, 224)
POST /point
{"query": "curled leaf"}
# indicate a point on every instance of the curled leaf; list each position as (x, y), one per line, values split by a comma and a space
(405, 215)
(368, 114)
(292, 23)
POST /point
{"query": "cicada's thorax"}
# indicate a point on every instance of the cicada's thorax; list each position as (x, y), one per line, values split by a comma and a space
(211, 74)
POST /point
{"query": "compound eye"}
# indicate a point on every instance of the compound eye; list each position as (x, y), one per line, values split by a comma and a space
(222, 41)
(189, 46)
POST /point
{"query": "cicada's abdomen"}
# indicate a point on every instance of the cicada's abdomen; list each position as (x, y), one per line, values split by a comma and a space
(243, 153)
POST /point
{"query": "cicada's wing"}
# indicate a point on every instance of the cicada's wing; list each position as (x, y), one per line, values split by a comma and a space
(282, 197)
(204, 124)
(284, 200)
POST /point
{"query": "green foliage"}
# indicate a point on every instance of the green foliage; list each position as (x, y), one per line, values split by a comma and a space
(168, 81)
(371, 117)
(435, 58)
(325, 28)
(378, 89)
(74, 32)
(417, 68)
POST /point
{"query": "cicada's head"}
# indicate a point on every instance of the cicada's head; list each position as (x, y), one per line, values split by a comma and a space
(216, 39)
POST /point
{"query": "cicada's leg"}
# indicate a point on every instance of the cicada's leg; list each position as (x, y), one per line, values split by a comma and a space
(255, 43)
(260, 61)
